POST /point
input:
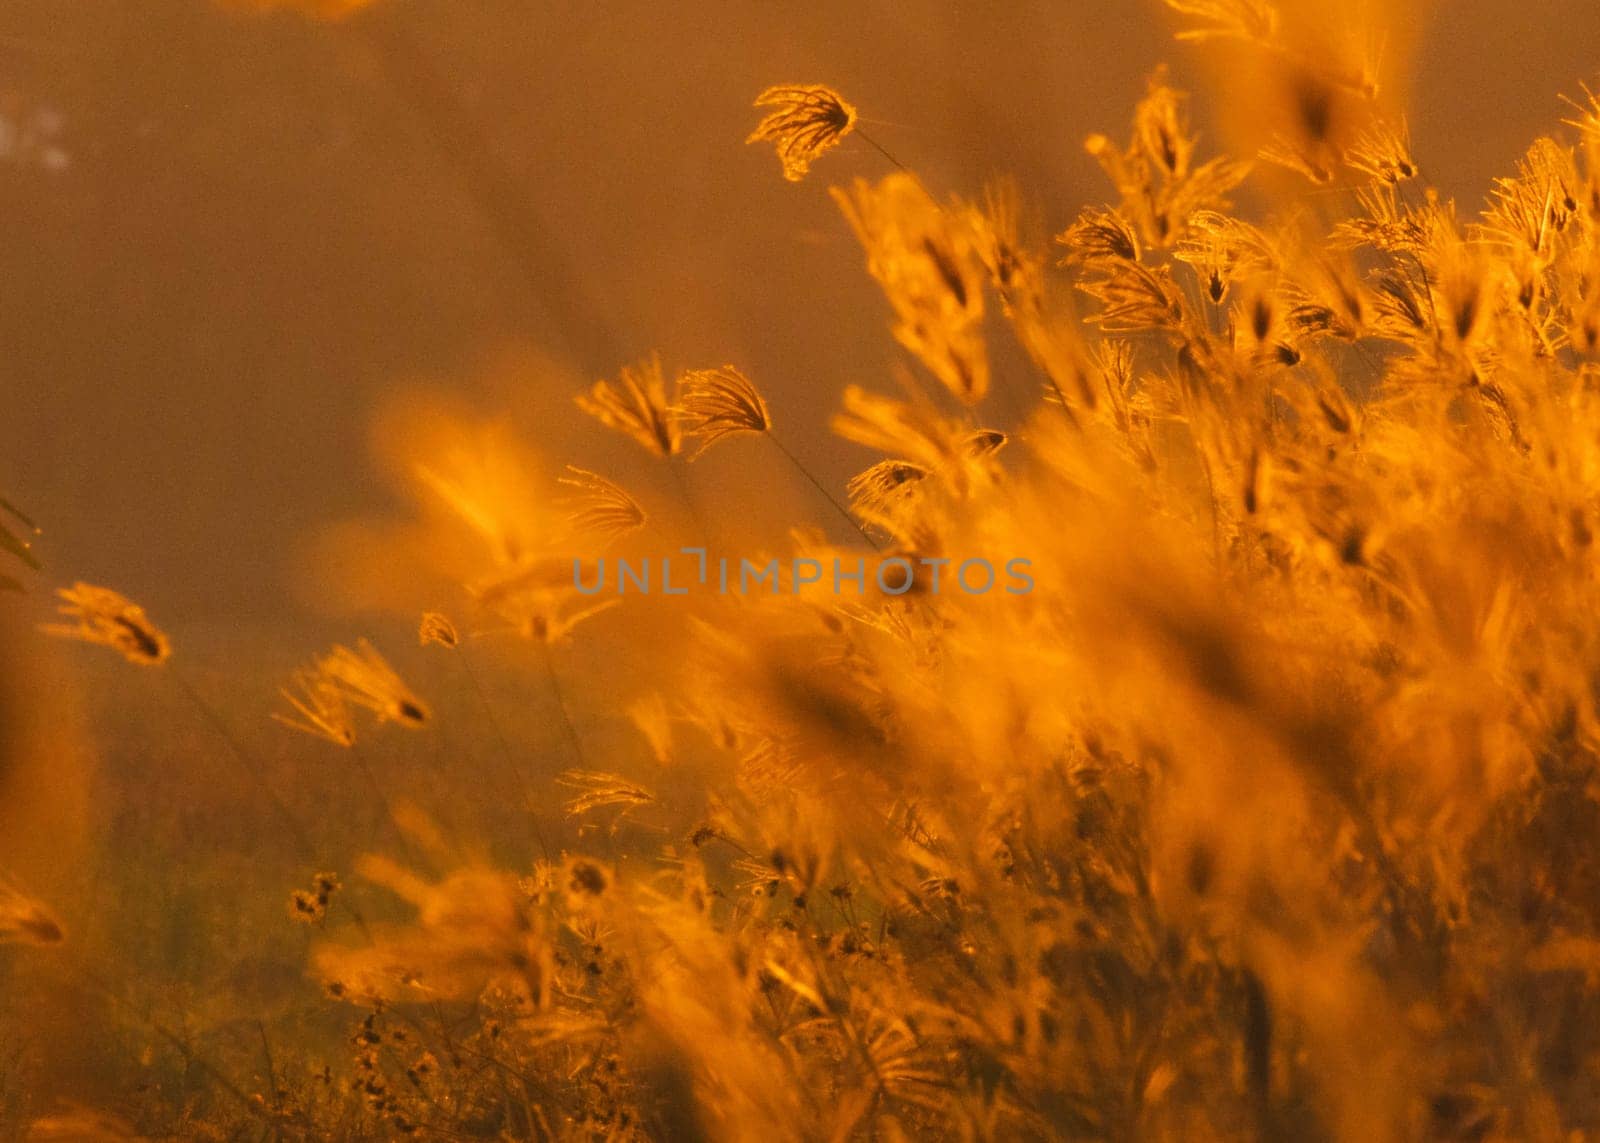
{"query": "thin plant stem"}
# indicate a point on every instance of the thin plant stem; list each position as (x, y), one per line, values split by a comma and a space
(1061, 399)
(548, 271)
(887, 154)
(681, 479)
(306, 851)
(524, 783)
(217, 1076)
(248, 764)
(817, 484)
(561, 701)
(272, 1068)
(367, 772)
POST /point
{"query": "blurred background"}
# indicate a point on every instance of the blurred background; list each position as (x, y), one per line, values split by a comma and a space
(229, 231)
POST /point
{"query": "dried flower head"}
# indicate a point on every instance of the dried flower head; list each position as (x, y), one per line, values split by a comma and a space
(875, 492)
(596, 789)
(366, 679)
(1156, 174)
(915, 432)
(1134, 298)
(997, 227)
(586, 878)
(1161, 131)
(1253, 21)
(539, 601)
(437, 628)
(110, 619)
(716, 403)
(806, 120)
(1383, 151)
(473, 928)
(635, 405)
(1299, 158)
(26, 921)
(983, 442)
(602, 510)
(310, 906)
(550, 620)
(1100, 234)
(319, 708)
(1223, 249)
(928, 260)
(482, 474)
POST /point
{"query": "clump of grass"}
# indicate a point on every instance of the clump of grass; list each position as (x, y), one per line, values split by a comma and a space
(1265, 814)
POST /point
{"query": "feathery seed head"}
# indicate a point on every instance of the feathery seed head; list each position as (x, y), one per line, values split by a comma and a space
(715, 403)
(488, 482)
(26, 921)
(877, 492)
(310, 906)
(806, 121)
(437, 628)
(1253, 21)
(318, 708)
(983, 443)
(1100, 234)
(540, 605)
(897, 428)
(365, 678)
(112, 620)
(602, 510)
(1160, 184)
(596, 789)
(635, 405)
(1383, 152)
(928, 262)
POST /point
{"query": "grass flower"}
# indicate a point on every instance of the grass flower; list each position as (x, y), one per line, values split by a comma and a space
(602, 510)
(110, 619)
(874, 490)
(310, 906)
(983, 443)
(363, 677)
(436, 629)
(488, 484)
(319, 708)
(928, 262)
(1220, 763)
(806, 120)
(541, 602)
(24, 920)
(635, 405)
(716, 403)
(1156, 174)
(596, 790)
(1383, 152)
(908, 429)
(1249, 20)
